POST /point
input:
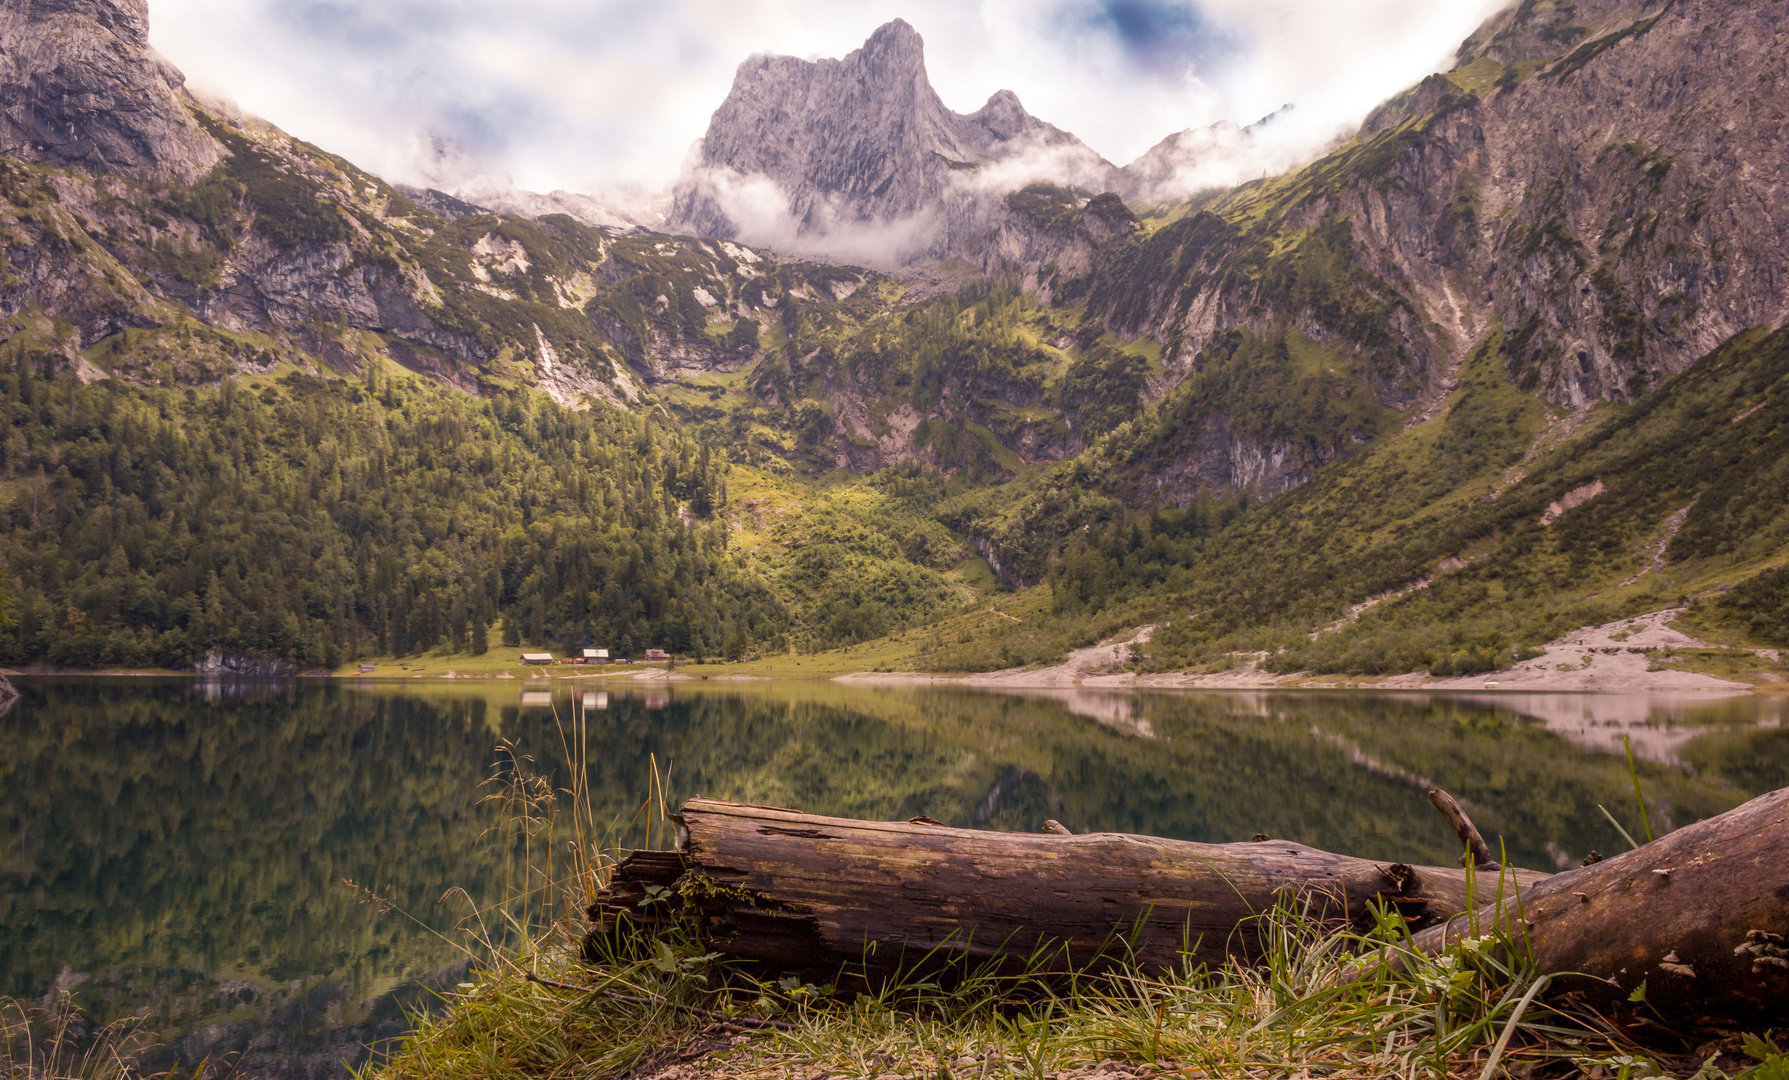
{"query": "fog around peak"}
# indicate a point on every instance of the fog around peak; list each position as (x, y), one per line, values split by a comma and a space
(605, 97)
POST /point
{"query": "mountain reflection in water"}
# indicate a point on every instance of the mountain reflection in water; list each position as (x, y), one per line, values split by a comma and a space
(178, 849)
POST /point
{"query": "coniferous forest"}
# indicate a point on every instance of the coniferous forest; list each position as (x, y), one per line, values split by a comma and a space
(314, 520)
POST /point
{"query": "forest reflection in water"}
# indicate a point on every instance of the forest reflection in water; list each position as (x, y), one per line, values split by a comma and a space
(178, 849)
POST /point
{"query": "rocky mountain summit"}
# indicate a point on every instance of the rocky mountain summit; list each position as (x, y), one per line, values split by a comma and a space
(859, 156)
(858, 159)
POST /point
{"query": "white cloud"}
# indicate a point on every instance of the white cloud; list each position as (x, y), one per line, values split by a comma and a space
(758, 207)
(606, 96)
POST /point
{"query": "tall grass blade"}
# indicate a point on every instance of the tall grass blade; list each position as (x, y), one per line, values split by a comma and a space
(1617, 824)
(1633, 772)
(1509, 1029)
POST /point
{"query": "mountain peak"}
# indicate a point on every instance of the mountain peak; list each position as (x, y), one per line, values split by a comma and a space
(894, 56)
(802, 153)
(896, 41)
(1003, 115)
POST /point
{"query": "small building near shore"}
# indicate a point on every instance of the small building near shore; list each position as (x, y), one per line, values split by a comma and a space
(596, 656)
(657, 656)
(537, 658)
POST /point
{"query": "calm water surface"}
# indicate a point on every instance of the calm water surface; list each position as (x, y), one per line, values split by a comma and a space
(178, 849)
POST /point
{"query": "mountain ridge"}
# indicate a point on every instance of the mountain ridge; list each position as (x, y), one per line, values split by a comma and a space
(1161, 413)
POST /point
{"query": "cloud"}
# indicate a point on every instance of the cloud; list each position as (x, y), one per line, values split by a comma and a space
(1223, 155)
(760, 210)
(1039, 161)
(606, 96)
(1166, 38)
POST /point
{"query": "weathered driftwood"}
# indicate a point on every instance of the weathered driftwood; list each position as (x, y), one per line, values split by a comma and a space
(805, 893)
(1700, 916)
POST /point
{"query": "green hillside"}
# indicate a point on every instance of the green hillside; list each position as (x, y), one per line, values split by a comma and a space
(287, 415)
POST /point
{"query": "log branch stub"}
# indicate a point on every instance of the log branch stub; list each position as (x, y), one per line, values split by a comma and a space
(1056, 828)
(1475, 845)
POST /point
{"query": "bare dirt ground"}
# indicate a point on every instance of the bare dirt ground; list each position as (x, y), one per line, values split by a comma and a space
(1613, 657)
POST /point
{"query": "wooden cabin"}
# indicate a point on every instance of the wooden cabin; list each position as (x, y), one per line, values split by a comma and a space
(596, 656)
(537, 658)
(657, 656)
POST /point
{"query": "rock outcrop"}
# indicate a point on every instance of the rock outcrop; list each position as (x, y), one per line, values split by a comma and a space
(1594, 181)
(150, 236)
(1591, 195)
(79, 85)
(859, 157)
(1629, 217)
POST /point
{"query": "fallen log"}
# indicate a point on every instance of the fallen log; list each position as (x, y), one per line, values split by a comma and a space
(1698, 917)
(798, 892)
(1689, 931)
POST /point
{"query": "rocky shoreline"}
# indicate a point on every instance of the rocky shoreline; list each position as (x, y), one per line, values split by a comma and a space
(1616, 657)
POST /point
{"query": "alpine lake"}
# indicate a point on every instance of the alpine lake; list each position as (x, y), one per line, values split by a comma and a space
(181, 850)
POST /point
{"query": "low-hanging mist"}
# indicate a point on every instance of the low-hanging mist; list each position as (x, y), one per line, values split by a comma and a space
(604, 99)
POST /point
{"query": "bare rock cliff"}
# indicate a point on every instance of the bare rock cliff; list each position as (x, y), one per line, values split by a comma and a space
(1597, 182)
(79, 85)
(1631, 212)
(824, 153)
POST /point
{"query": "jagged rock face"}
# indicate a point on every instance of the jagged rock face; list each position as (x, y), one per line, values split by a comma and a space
(1632, 218)
(79, 85)
(863, 144)
(1599, 207)
(1611, 208)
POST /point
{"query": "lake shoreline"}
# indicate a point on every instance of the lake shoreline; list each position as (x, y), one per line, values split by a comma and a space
(1620, 657)
(1246, 678)
(1045, 679)
(1629, 656)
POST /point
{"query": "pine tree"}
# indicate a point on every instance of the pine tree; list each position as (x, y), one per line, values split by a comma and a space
(457, 623)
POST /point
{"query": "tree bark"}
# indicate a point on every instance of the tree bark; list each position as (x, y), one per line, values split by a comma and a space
(813, 894)
(1699, 916)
